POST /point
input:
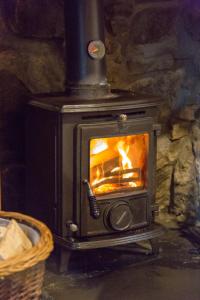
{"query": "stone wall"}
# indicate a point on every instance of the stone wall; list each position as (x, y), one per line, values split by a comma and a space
(153, 46)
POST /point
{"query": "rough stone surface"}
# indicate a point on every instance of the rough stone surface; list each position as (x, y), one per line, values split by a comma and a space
(177, 188)
(150, 25)
(39, 65)
(184, 180)
(189, 113)
(179, 130)
(29, 18)
(192, 19)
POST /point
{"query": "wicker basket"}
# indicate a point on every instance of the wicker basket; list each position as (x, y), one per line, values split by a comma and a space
(21, 277)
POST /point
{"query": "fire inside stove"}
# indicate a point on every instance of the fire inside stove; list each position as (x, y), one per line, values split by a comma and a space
(118, 164)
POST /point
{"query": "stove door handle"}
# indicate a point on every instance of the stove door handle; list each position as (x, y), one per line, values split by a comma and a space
(94, 207)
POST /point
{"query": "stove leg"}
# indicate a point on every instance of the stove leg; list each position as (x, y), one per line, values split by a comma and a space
(154, 247)
(63, 261)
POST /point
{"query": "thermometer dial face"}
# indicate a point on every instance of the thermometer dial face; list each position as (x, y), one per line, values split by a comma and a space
(96, 49)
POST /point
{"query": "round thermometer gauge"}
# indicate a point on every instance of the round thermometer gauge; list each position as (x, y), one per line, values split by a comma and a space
(96, 49)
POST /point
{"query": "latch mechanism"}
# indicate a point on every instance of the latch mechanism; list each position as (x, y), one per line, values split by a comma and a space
(155, 209)
(157, 129)
(122, 119)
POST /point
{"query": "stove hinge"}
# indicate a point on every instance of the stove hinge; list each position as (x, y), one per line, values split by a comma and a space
(155, 209)
(157, 129)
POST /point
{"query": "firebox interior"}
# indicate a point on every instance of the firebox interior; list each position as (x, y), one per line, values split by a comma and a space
(118, 164)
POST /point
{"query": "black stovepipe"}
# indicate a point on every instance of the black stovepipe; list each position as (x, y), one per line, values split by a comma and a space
(84, 22)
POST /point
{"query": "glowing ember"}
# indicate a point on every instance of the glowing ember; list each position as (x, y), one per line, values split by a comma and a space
(118, 163)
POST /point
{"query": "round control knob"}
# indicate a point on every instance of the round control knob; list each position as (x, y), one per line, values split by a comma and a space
(120, 217)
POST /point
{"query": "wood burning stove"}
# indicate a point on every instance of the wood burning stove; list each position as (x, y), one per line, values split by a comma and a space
(91, 153)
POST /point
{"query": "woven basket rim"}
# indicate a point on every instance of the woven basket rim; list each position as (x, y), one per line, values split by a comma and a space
(36, 254)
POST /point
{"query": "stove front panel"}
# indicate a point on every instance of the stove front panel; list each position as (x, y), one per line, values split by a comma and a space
(117, 158)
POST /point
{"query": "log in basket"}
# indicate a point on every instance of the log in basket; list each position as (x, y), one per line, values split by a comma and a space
(21, 277)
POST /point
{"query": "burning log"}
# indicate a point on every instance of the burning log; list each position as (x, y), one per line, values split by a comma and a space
(105, 167)
(106, 157)
(114, 180)
(121, 172)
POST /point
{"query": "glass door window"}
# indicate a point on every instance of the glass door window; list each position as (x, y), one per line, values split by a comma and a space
(118, 164)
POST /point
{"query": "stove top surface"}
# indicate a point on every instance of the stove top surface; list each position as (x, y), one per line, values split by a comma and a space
(117, 98)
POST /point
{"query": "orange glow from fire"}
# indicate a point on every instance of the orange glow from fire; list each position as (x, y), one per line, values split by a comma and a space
(118, 163)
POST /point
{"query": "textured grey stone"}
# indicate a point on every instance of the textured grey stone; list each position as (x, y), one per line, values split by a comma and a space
(180, 130)
(184, 179)
(184, 169)
(150, 57)
(191, 19)
(30, 18)
(163, 193)
(38, 64)
(163, 83)
(150, 25)
(176, 178)
(163, 148)
(189, 112)
(118, 17)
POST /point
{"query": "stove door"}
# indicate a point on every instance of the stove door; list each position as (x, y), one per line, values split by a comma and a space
(117, 160)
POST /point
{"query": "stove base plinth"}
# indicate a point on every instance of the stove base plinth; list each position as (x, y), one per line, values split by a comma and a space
(147, 233)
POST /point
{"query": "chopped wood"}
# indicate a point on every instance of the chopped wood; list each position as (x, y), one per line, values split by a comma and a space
(14, 241)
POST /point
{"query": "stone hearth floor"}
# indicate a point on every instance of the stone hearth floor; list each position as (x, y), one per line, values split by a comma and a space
(118, 273)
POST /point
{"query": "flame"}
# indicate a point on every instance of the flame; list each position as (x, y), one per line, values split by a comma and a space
(98, 178)
(116, 163)
(115, 169)
(123, 150)
(126, 162)
(100, 145)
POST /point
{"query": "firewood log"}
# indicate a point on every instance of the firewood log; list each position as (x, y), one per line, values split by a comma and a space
(14, 241)
(114, 180)
(103, 157)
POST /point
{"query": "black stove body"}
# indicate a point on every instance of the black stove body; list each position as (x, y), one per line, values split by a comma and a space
(91, 152)
(58, 136)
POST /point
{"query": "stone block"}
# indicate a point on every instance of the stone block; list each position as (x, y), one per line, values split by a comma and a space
(180, 130)
(163, 188)
(38, 64)
(191, 18)
(163, 148)
(188, 112)
(151, 24)
(30, 18)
